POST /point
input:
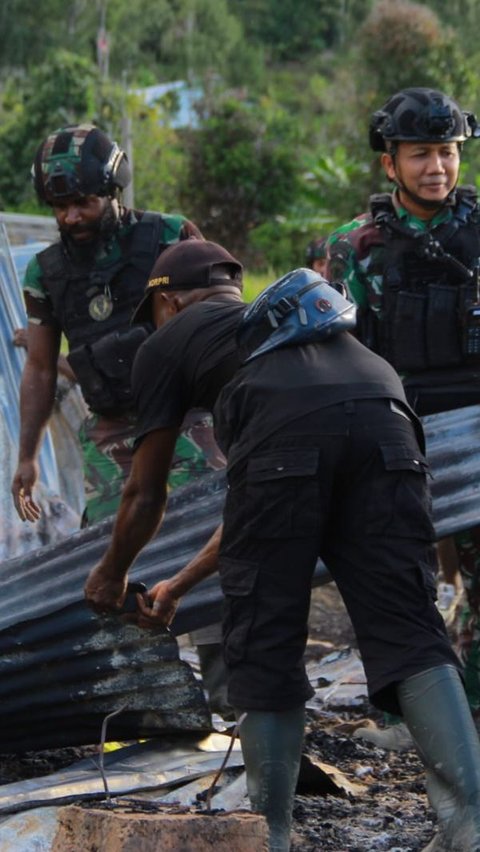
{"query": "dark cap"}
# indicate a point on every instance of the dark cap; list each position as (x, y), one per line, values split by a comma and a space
(189, 265)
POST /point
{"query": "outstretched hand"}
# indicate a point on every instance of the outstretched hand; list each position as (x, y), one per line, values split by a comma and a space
(22, 486)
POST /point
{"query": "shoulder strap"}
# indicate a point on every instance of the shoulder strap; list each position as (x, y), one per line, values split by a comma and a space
(55, 271)
(466, 204)
(151, 232)
(381, 205)
(147, 234)
(52, 260)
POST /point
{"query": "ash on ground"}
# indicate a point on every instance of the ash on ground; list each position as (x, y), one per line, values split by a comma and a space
(389, 810)
(391, 813)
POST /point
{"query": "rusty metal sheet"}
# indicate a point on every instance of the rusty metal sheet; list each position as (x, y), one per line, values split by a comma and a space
(63, 669)
(61, 676)
(46, 628)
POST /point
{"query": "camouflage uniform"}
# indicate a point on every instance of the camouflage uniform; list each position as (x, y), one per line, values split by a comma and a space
(356, 248)
(107, 441)
(355, 253)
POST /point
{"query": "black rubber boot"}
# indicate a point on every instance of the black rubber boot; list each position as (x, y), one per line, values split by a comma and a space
(436, 711)
(272, 748)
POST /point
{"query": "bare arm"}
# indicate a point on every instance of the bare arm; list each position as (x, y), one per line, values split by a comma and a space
(65, 369)
(20, 338)
(164, 596)
(139, 516)
(37, 394)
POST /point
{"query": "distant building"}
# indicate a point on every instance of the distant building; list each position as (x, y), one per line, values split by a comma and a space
(185, 96)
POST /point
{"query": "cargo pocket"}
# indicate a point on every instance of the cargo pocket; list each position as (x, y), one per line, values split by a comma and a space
(282, 493)
(238, 580)
(400, 502)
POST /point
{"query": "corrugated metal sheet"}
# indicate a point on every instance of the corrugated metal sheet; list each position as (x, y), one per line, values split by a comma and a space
(453, 451)
(64, 667)
(12, 315)
(59, 520)
(24, 228)
(54, 575)
(171, 762)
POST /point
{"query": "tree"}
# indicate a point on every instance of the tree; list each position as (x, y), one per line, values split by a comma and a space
(295, 29)
(242, 170)
(158, 40)
(463, 16)
(58, 92)
(30, 29)
(159, 160)
(405, 44)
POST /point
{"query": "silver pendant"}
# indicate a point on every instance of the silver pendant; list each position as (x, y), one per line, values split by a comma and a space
(100, 307)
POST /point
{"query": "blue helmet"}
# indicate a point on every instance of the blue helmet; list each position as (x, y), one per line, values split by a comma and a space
(301, 307)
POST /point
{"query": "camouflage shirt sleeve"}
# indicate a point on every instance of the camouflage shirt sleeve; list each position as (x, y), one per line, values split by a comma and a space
(177, 227)
(37, 301)
(351, 259)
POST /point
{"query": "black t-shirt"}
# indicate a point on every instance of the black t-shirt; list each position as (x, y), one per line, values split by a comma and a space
(192, 362)
(185, 364)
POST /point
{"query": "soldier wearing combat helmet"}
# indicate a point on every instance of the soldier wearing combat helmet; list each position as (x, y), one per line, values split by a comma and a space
(411, 263)
(86, 286)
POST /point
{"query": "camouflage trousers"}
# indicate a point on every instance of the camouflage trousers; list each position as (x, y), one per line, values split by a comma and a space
(107, 448)
(468, 642)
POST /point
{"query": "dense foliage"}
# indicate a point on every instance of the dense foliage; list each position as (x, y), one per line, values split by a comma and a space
(276, 150)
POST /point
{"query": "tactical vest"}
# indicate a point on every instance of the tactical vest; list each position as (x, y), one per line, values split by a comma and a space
(94, 307)
(429, 282)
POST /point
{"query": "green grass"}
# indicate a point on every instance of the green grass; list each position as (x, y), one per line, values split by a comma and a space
(253, 284)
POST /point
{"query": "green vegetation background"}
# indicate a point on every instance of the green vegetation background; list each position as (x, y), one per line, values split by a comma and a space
(278, 152)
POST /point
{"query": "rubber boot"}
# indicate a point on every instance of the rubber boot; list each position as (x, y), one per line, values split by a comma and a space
(436, 710)
(272, 748)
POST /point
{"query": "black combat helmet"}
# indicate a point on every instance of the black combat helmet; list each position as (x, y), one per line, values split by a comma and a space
(420, 115)
(79, 160)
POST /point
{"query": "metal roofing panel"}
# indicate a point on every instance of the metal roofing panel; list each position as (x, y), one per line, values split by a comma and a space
(64, 667)
(23, 228)
(453, 442)
(59, 520)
